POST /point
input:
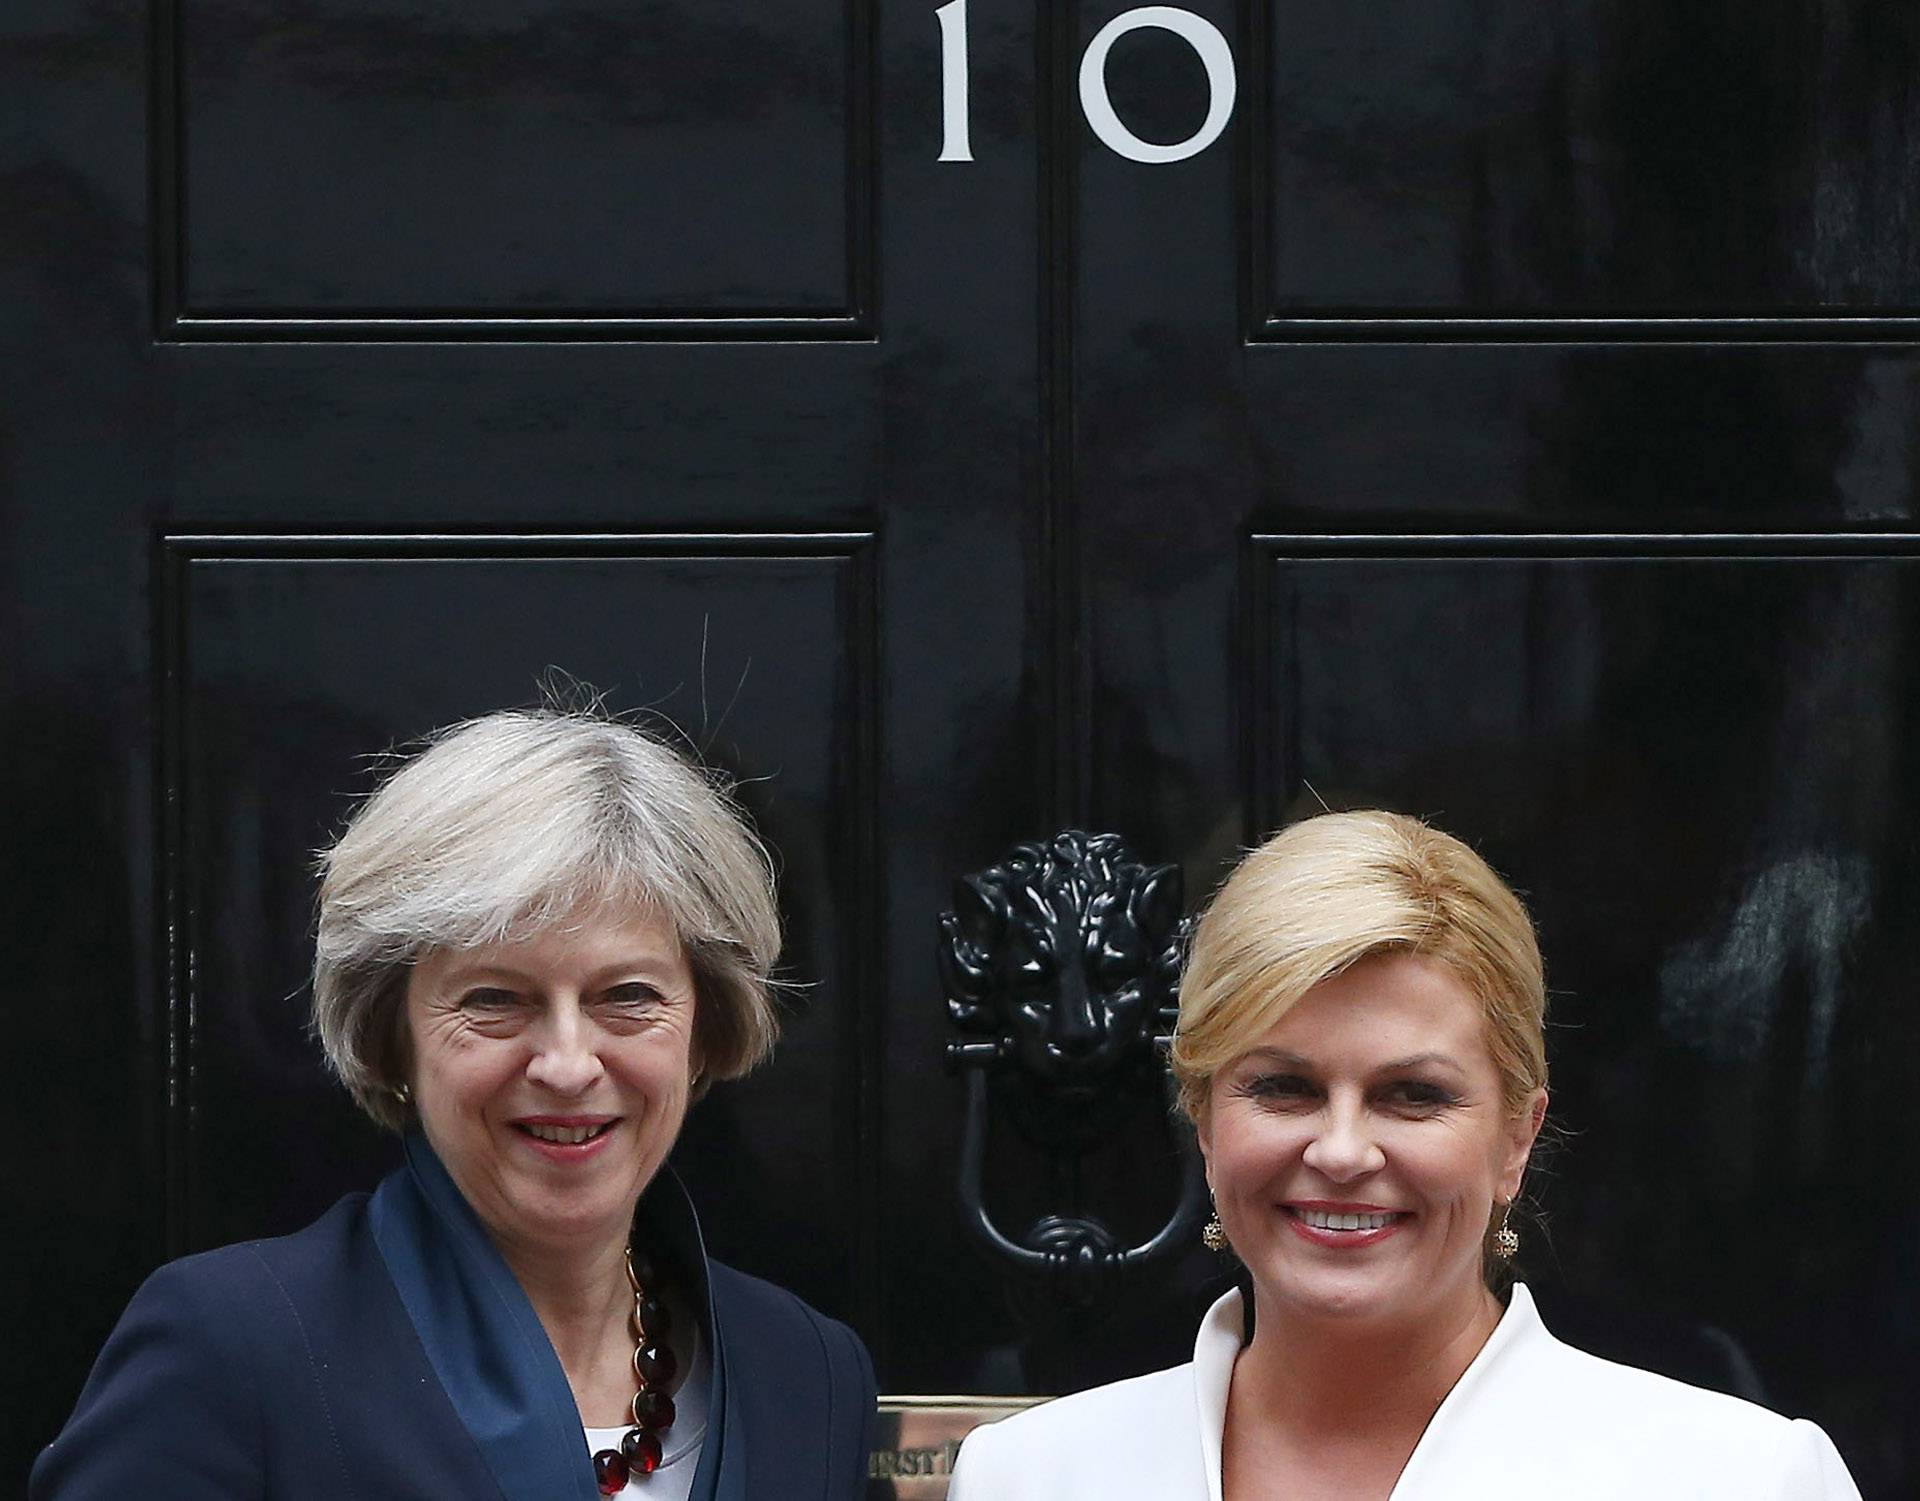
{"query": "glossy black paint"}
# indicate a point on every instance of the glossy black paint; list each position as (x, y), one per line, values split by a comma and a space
(348, 388)
(1630, 161)
(357, 169)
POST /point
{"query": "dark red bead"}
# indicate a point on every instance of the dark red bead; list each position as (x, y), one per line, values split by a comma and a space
(610, 1470)
(642, 1451)
(654, 1364)
(654, 1318)
(653, 1408)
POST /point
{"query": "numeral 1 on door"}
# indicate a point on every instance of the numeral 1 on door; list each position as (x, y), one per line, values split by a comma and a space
(954, 143)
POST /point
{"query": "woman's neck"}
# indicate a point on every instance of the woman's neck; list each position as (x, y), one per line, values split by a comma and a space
(581, 1297)
(1339, 1377)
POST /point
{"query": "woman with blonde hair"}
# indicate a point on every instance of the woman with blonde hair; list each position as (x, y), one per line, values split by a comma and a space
(1361, 1050)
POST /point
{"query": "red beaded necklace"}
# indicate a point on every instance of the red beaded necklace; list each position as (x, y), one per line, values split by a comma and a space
(653, 1368)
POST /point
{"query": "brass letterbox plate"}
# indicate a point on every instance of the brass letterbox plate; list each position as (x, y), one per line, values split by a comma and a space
(916, 1438)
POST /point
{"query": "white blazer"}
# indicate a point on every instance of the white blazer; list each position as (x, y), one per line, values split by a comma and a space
(1531, 1417)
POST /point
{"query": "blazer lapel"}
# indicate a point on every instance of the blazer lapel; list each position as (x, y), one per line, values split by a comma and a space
(665, 1222)
(1215, 1349)
(481, 1335)
(1454, 1451)
(722, 1472)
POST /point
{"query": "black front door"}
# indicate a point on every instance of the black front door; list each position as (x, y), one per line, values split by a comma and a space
(963, 424)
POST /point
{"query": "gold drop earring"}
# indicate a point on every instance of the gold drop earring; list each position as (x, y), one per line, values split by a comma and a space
(1506, 1240)
(1213, 1234)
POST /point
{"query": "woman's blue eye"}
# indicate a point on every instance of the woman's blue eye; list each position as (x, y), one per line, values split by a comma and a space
(488, 999)
(635, 994)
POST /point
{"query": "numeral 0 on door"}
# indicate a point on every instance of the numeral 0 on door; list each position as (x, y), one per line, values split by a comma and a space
(1196, 31)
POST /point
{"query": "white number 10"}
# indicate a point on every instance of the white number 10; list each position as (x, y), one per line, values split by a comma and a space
(1196, 31)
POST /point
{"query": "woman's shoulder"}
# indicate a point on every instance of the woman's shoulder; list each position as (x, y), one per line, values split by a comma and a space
(274, 1276)
(1157, 1397)
(1079, 1445)
(766, 1328)
(209, 1365)
(1587, 1426)
(316, 1253)
(753, 1310)
(1670, 1438)
(1651, 1401)
(803, 1383)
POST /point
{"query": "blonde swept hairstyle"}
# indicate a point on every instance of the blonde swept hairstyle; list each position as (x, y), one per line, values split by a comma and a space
(509, 824)
(1329, 891)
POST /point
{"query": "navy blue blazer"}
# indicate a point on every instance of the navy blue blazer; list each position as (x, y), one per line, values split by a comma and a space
(386, 1353)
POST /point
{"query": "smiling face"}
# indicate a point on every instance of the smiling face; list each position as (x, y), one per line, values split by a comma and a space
(552, 1074)
(1357, 1151)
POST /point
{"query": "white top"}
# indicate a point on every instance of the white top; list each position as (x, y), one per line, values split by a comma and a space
(1530, 1417)
(680, 1444)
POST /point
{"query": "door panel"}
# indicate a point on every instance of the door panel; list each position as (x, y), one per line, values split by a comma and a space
(1619, 160)
(382, 169)
(1697, 767)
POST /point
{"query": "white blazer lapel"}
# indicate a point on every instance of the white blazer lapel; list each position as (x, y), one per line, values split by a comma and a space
(1215, 1349)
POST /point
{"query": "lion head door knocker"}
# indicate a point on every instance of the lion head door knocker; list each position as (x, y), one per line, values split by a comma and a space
(1061, 966)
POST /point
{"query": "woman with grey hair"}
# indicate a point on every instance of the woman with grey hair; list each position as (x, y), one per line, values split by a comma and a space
(538, 943)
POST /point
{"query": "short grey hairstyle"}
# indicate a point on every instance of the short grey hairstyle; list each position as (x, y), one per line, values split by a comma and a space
(508, 824)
